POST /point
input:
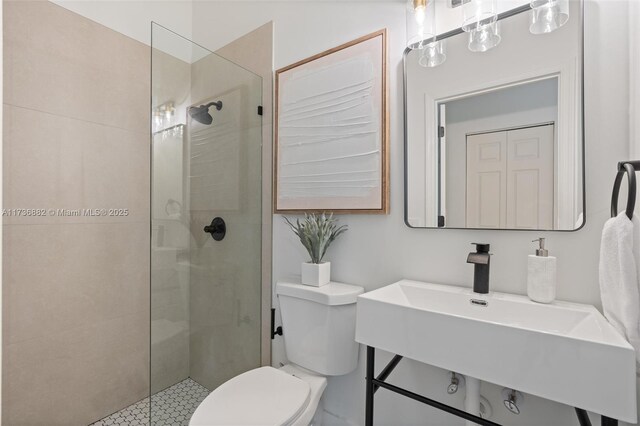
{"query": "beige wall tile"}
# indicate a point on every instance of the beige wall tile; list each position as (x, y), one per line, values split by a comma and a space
(116, 173)
(57, 277)
(254, 51)
(41, 166)
(169, 354)
(76, 289)
(169, 274)
(169, 319)
(74, 377)
(54, 162)
(64, 64)
(226, 276)
(171, 79)
(224, 302)
(76, 321)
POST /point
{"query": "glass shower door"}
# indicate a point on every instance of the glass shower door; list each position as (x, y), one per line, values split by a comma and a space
(206, 174)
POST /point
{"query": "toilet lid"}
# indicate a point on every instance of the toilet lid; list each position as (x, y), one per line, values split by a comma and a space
(263, 396)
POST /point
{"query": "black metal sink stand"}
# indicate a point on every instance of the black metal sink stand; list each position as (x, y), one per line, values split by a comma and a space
(374, 383)
(584, 420)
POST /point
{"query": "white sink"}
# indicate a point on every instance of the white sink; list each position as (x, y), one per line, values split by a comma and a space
(566, 352)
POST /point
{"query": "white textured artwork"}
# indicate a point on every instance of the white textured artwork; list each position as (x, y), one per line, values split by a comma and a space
(331, 129)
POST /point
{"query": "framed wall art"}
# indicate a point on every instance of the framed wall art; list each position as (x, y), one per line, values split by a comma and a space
(331, 133)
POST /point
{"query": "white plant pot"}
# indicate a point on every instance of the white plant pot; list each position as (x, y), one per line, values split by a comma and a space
(316, 274)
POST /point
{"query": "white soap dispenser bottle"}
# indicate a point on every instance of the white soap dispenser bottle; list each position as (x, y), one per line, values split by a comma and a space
(541, 277)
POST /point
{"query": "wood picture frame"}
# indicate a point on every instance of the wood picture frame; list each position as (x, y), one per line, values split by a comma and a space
(331, 133)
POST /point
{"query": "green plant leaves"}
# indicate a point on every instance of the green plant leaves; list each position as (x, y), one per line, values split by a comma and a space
(316, 233)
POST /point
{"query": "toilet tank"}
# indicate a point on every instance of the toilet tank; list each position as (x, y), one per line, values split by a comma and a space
(319, 326)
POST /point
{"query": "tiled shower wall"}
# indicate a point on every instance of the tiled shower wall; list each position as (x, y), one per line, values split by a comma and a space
(76, 288)
(225, 279)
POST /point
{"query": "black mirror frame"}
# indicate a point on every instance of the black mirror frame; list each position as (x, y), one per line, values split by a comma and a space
(504, 15)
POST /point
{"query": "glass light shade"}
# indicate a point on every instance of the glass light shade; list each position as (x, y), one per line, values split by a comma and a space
(478, 13)
(548, 15)
(432, 54)
(485, 37)
(421, 23)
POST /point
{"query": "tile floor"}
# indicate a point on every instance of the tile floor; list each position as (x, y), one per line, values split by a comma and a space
(170, 407)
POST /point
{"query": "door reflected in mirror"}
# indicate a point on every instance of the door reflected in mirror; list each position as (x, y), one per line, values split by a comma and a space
(507, 147)
(494, 140)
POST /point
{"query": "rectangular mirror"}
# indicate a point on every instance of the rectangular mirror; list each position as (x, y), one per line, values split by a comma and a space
(494, 139)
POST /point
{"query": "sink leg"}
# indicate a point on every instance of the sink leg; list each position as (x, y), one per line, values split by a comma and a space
(472, 398)
(584, 420)
(583, 417)
(371, 358)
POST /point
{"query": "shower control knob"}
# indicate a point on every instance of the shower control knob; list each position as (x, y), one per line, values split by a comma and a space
(217, 229)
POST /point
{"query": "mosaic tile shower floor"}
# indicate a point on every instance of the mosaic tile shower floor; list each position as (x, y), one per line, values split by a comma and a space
(171, 407)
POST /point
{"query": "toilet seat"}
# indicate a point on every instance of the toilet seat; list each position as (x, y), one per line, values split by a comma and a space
(263, 396)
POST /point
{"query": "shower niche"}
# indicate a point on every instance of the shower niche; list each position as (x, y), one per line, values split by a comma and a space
(206, 163)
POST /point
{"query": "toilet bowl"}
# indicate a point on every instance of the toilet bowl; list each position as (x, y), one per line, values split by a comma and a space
(319, 337)
(263, 396)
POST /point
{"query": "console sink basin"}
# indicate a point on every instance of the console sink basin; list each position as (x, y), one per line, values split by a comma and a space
(566, 352)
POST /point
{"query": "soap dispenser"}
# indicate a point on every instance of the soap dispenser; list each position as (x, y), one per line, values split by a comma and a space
(541, 277)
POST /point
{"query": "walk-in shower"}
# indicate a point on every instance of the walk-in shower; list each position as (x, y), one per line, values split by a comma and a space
(119, 307)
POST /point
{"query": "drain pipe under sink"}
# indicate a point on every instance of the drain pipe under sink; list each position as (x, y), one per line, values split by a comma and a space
(472, 398)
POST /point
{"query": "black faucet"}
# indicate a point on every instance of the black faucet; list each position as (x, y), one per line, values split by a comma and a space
(480, 259)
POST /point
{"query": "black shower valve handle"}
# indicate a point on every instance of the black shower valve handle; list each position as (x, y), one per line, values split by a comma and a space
(217, 229)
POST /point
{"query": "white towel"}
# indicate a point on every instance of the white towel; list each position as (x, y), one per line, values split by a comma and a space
(619, 273)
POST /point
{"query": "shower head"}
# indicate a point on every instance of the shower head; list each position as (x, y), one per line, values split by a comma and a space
(201, 113)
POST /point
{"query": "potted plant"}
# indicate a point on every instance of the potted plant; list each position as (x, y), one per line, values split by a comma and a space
(316, 233)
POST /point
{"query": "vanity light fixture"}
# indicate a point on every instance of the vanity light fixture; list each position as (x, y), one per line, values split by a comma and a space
(548, 15)
(480, 20)
(421, 32)
(485, 37)
(416, 17)
(432, 54)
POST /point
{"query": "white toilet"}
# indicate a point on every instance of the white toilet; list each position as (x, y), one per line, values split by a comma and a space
(319, 336)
